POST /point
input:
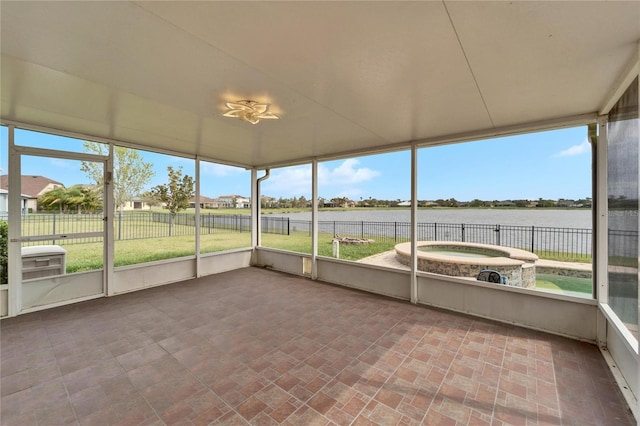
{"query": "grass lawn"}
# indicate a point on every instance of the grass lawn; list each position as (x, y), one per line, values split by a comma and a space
(561, 283)
(301, 242)
(563, 257)
(152, 243)
(86, 257)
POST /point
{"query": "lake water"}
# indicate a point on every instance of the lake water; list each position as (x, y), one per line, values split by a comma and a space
(571, 218)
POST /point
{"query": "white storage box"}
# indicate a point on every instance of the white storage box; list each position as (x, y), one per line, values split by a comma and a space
(43, 261)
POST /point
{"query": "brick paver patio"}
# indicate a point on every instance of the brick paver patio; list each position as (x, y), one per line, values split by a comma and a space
(259, 347)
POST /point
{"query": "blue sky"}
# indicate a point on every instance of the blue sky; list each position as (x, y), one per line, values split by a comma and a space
(554, 164)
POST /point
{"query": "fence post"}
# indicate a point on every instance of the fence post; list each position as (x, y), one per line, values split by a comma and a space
(498, 234)
(435, 232)
(462, 226)
(532, 239)
(288, 226)
(395, 231)
(362, 229)
(119, 225)
(54, 227)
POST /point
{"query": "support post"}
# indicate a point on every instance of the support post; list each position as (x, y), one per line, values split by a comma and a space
(197, 217)
(314, 219)
(414, 225)
(255, 209)
(601, 256)
(14, 263)
(109, 210)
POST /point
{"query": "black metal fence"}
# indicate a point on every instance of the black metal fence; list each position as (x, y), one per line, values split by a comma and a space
(129, 226)
(544, 240)
(623, 244)
(139, 225)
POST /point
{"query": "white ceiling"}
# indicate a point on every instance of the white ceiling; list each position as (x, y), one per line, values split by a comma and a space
(344, 76)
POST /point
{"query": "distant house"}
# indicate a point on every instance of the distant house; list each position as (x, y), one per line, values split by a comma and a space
(136, 203)
(4, 204)
(243, 203)
(32, 186)
(326, 203)
(205, 203)
(226, 201)
(404, 204)
(233, 201)
(338, 202)
(565, 203)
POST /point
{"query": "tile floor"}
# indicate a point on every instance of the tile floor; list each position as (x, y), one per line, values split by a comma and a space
(260, 347)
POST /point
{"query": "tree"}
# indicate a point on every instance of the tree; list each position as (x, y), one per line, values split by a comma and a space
(84, 197)
(54, 199)
(546, 203)
(77, 197)
(283, 203)
(452, 202)
(339, 201)
(92, 198)
(175, 194)
(131, 172)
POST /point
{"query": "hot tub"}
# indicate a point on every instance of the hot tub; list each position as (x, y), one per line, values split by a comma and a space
(468, 259)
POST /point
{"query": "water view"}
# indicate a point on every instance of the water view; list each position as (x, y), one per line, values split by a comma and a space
(569, 218)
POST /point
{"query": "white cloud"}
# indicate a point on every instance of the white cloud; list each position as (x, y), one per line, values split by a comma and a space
(62, 164)
(296, 181)
(291, 181)
(219, 169)
(574, 150)
(347, 173)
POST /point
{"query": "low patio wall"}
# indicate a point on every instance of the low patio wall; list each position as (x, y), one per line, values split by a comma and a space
(557, 314)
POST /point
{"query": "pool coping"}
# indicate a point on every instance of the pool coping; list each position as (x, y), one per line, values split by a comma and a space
(513, 256)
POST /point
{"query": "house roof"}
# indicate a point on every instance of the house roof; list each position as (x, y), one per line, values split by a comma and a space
(203, 199)
(230, 196)
(345, 77)
(31, 185)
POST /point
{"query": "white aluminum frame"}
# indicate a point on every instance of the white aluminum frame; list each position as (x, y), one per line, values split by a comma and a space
(621, 336)
(15, 215)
